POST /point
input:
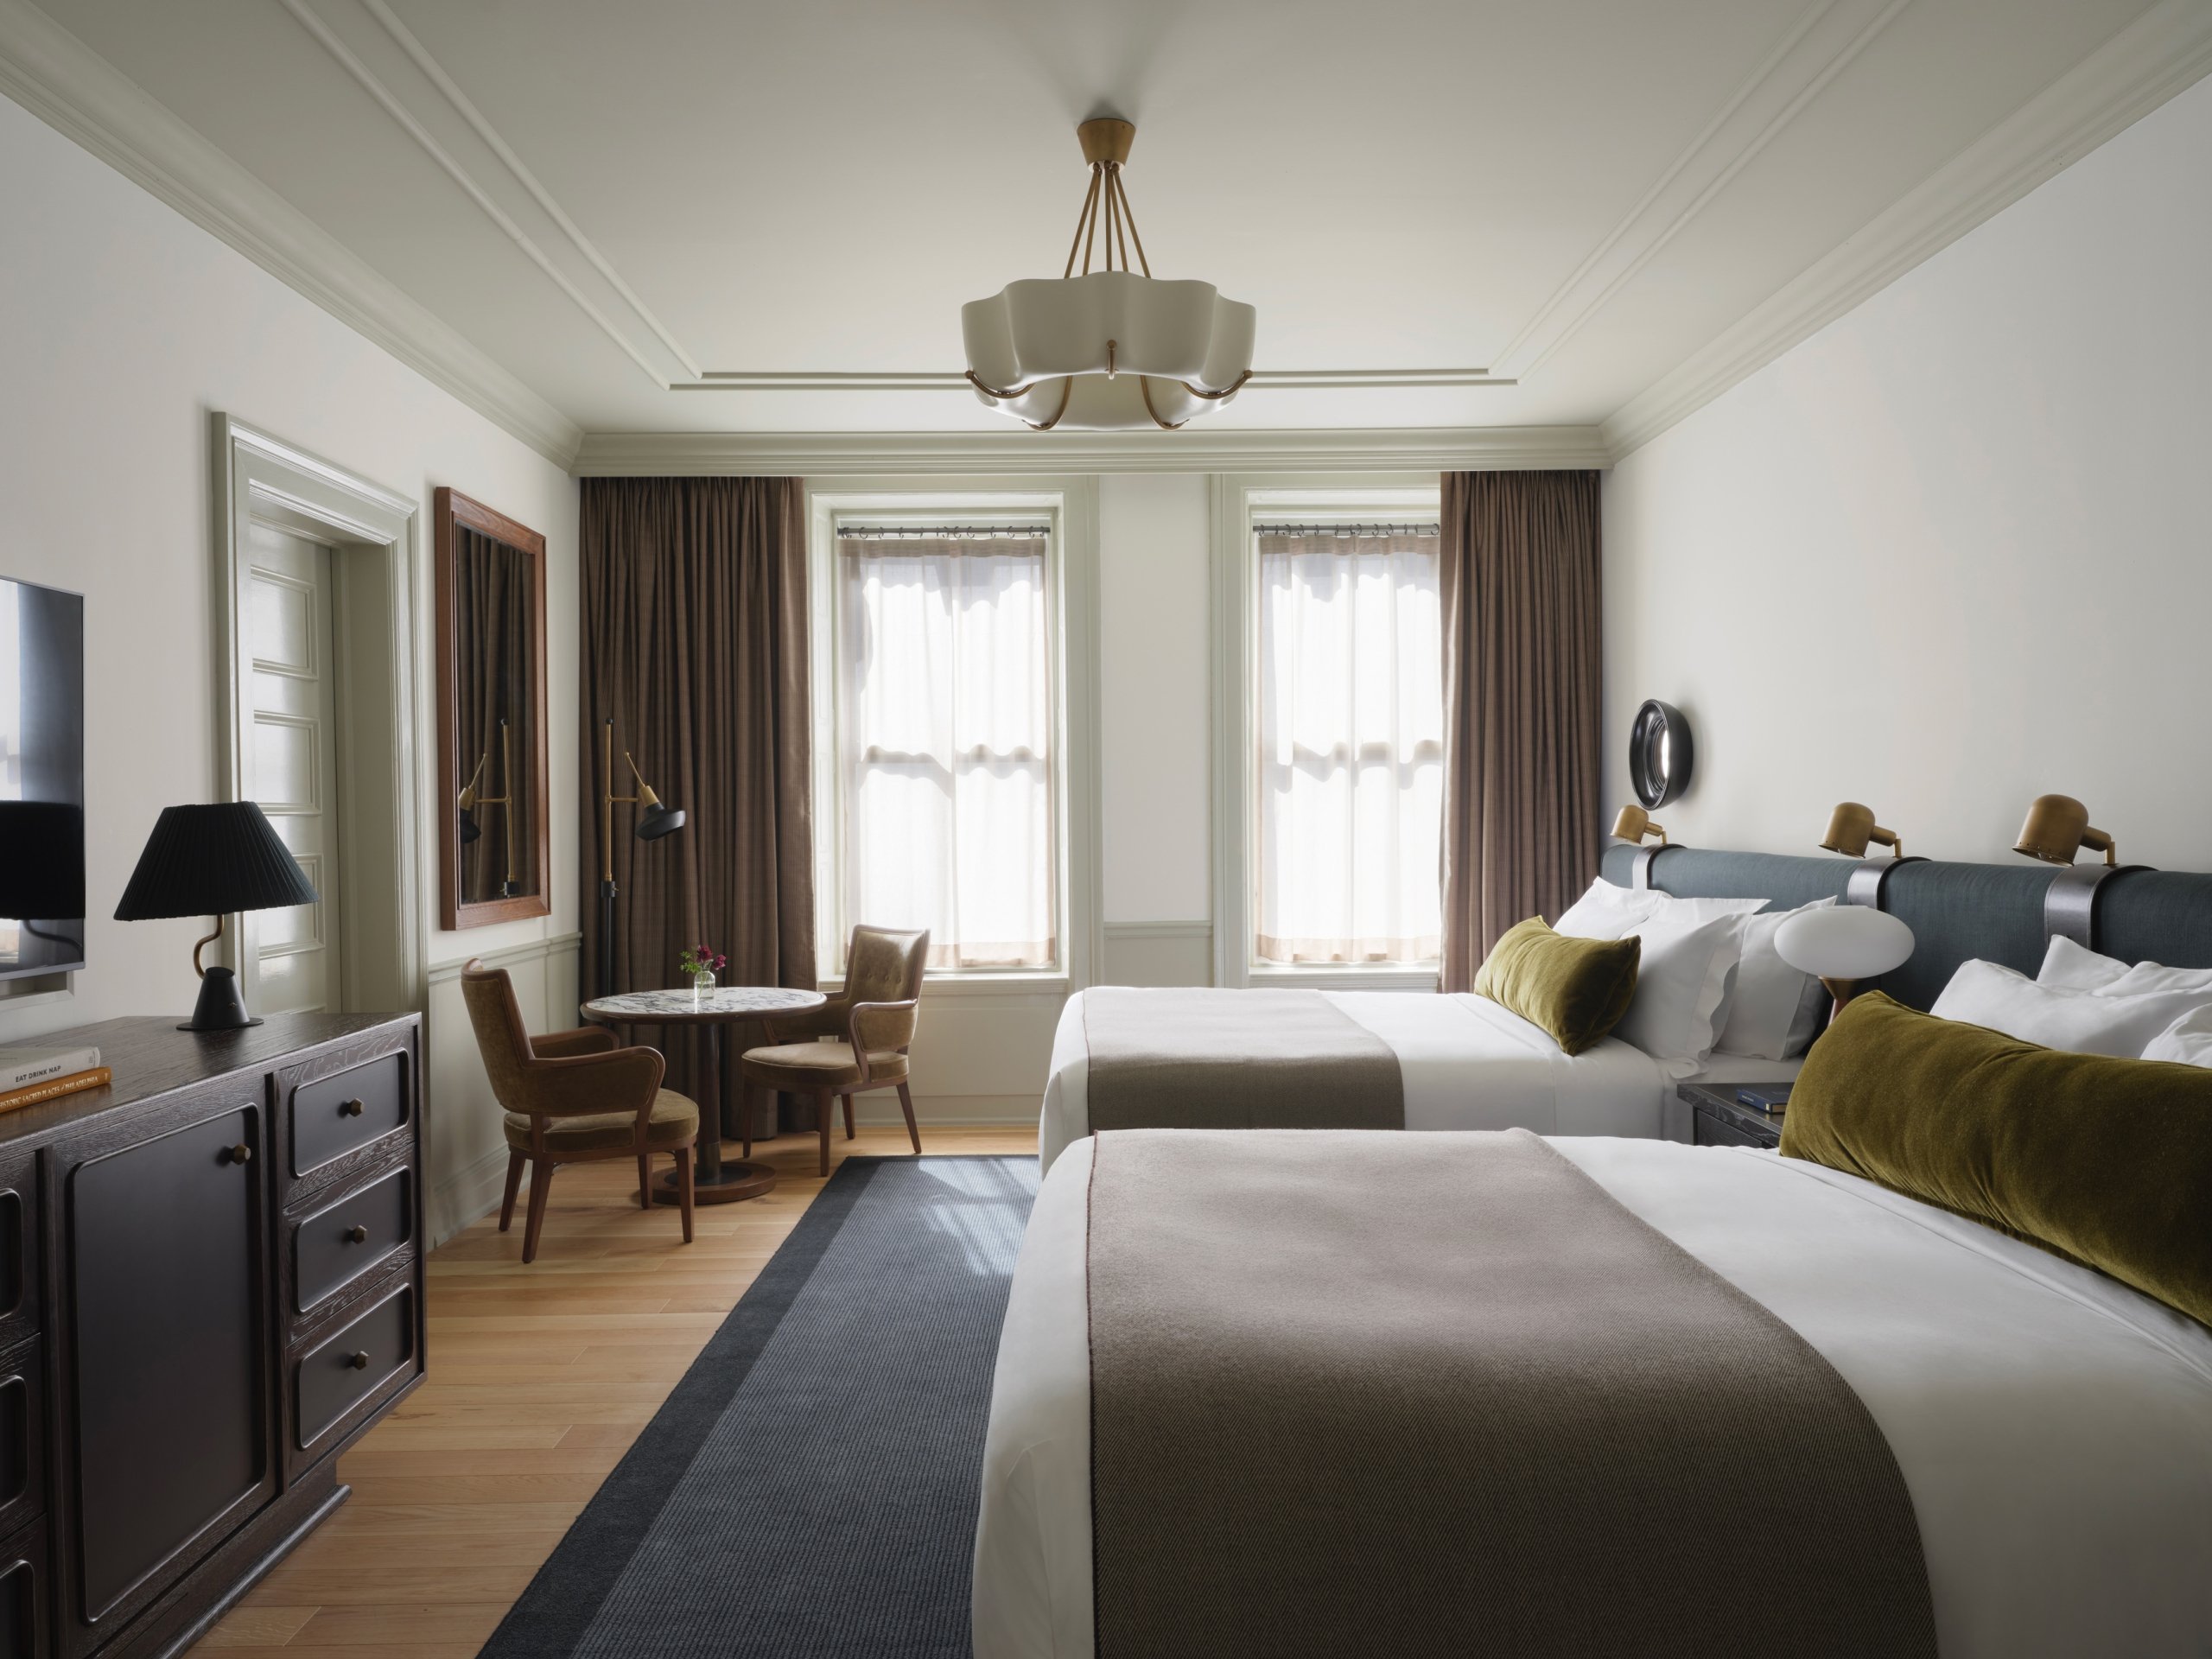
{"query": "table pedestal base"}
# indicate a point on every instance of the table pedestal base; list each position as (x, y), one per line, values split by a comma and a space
(733, 1182)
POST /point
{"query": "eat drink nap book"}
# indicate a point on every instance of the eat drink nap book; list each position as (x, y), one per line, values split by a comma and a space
(22, 1066)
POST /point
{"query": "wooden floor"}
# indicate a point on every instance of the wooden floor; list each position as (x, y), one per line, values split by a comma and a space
(540, 1377)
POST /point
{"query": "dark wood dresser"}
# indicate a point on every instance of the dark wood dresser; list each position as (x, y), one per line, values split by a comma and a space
(210, 1282)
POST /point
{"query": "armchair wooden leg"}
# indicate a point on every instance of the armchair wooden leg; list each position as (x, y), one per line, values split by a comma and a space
(825, 1113)
(848, 1117)
(683, 1188)
(913, 1131)
(515, 1161)
(541, 1183)
(645, 1181)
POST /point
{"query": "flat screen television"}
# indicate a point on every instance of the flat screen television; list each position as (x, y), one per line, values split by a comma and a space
(41, 780)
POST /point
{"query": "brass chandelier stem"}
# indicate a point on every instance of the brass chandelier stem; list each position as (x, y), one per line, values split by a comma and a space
(1082, 219)
(1129, 218)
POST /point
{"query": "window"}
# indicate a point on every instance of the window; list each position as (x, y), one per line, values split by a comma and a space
(946, 749)
(1348, 718)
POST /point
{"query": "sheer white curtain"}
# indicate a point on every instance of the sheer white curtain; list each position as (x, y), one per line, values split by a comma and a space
(945, 728)
(1350, 763)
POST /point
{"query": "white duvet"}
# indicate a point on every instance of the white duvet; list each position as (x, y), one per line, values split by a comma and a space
(2053, 1428)
(1467, 1063)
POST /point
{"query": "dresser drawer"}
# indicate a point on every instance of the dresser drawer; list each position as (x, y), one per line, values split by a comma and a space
(340, 1241)
(19, 1256)
(346, 1369)
(22, 1595)
(23, 1438)
(341, 1113)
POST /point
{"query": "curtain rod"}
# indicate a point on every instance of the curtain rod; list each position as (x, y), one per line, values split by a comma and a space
(1265, 529)
(938, 532)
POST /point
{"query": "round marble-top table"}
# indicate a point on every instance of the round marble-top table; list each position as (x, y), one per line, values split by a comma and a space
(714, 1180)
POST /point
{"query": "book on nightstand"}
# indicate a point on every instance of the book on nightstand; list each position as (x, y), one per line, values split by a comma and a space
(1770, 1099)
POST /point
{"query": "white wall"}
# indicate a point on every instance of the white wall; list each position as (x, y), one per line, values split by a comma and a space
(1955, 550)
(122, 326)
(1153, 534)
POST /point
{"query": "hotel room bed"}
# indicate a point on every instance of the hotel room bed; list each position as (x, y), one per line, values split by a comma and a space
(1465, 1063)
(2052, 1428)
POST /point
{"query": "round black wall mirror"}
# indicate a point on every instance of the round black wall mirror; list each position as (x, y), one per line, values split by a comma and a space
(1659, 753)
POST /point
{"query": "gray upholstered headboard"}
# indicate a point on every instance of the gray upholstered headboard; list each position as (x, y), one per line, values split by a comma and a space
(2002, 913)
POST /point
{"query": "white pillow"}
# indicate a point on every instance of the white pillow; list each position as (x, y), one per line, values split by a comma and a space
(1681, 985)
(1773, 1006)
(2076, 967)
(2187, 1041)
(2058, 1016)
(1606, 911)
(2069, 964)
(1610, 912)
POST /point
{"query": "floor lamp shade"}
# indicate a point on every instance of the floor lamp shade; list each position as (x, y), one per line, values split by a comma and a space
(211, 860)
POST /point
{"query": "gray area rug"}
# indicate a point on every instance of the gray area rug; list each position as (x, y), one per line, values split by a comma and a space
(809, 1488)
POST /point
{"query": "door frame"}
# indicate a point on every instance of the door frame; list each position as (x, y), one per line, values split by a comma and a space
(371, 532)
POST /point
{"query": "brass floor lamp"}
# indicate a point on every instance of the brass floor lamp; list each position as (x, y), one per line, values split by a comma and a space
(655, 819)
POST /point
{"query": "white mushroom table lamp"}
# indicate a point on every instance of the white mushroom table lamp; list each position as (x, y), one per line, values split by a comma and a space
(1843, 945)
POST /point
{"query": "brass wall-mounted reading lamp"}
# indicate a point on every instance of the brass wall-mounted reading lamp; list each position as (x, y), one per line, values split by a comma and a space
(2057, 827)
(1633, 823)
(655, 819)
(1850, 826)
(470, 800)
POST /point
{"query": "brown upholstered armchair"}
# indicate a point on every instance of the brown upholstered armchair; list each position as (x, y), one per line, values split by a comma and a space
(572, 1097)
(871, 1023)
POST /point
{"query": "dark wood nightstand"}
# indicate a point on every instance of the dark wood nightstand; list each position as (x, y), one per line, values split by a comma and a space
(1721, 1122)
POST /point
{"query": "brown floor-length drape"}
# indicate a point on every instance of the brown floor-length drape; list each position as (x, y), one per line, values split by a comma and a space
(1520, 703)
(693, 625)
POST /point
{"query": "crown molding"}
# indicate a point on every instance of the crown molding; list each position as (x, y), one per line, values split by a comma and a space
(1827, 38)
(2163, 53)
(829, 455)
(63, 81)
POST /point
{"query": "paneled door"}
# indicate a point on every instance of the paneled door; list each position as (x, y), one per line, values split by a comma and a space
(291, 635)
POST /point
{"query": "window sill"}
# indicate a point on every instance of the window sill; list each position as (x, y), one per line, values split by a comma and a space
(1333, 978)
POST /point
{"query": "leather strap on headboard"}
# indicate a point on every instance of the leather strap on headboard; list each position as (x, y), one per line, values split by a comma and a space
(1997, 912)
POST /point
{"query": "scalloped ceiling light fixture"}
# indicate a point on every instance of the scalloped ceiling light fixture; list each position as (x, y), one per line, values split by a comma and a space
(1110, 349)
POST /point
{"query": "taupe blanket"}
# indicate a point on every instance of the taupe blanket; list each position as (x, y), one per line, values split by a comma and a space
(1219, 1060)
(1443, 1395)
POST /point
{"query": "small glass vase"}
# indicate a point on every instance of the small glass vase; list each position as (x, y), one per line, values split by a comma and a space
(702, 985)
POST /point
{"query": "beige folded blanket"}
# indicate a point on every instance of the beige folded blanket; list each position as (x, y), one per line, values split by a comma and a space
(1222, 1059)
(1443, 1395)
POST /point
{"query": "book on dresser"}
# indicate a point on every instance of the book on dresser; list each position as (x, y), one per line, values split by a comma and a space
(23, 1065)
(211, 1283)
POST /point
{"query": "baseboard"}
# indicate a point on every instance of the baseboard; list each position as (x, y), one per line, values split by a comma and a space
(467, 1197)
(951, 1111)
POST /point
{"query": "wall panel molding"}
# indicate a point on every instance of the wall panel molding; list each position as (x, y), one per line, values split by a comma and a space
(2163, 52)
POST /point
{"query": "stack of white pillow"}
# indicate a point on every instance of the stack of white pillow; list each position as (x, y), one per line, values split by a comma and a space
(1709, 980)
(2090, 1003)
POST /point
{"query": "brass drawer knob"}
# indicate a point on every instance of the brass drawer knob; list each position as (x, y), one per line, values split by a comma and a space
(349, 1108)
(357, 1234)
(241, 1154)
(360, 1361)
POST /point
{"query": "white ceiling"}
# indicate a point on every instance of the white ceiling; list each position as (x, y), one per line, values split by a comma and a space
(612, 201)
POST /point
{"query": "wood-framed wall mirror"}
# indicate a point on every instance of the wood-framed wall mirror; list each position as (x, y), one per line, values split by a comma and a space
(494, 856)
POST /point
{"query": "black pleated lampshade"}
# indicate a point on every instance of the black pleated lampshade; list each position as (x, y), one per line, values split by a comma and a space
(210, 861)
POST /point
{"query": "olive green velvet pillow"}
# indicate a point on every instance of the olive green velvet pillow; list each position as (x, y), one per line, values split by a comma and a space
(2107, 1162)
(1576, 989)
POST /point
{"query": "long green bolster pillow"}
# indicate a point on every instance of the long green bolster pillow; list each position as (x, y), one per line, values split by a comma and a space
(1575, 989)
(2107, 1162)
